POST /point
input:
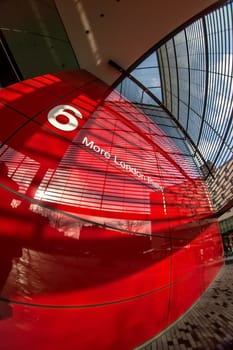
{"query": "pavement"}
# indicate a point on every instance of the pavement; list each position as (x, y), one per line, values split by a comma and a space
(208, 325)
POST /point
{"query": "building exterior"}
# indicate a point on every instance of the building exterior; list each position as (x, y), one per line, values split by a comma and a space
(108, 228)
(222, 185)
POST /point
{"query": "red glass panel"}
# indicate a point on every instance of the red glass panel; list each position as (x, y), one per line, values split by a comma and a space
(102, 221)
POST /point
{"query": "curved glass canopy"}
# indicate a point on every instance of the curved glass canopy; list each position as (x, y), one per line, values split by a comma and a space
(186, 86)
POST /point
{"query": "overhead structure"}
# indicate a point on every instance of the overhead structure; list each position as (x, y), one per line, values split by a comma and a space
(190, 76)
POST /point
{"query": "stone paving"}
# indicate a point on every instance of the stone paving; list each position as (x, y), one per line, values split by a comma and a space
(208, 325)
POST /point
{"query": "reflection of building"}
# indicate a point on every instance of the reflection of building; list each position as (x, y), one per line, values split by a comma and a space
(208, 167)
(226, 226)
(221, 188)
(221, 185)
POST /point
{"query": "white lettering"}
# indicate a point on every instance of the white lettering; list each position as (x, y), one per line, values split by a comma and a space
(122, 164)
(64, 110)
(86, 143)
(95, 148)
(127, 167)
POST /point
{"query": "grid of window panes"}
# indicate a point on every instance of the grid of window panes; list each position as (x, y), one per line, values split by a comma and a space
(221, 184)
(201, 97)
(192, 75)
(148, 74)
(226, 225)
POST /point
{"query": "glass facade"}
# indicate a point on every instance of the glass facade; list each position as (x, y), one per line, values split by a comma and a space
(107, 224)
(101, 214)
(192, 75)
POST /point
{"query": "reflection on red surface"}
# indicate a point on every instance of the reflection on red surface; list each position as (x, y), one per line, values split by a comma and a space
(106, 233)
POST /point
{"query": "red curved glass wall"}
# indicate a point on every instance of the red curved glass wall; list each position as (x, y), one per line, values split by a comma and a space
(107, 231)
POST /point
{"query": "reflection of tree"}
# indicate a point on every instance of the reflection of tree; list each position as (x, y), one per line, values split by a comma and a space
(127, 226)
(63, 223)
(133, 226)
(71, 227)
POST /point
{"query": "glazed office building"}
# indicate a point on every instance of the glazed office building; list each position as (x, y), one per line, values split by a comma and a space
(108, 221)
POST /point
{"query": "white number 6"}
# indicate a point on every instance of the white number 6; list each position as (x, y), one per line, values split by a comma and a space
(72, 123)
